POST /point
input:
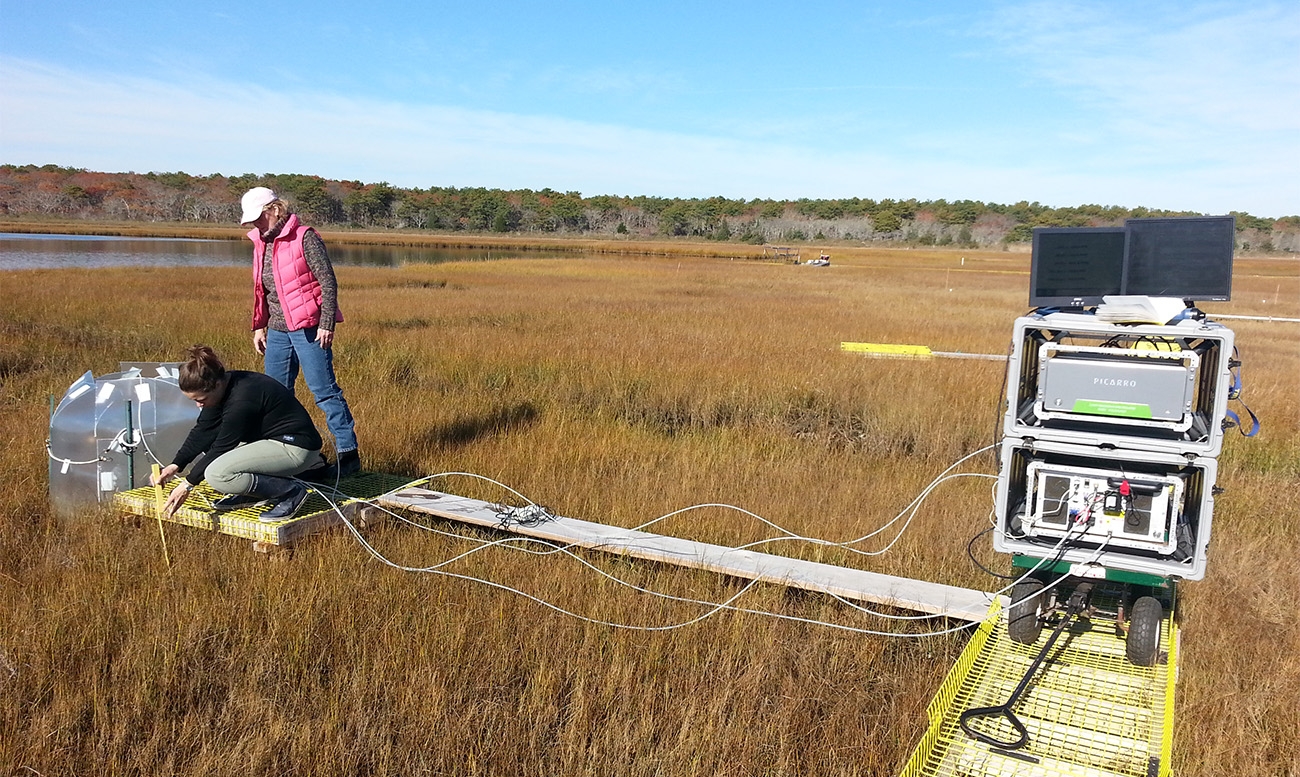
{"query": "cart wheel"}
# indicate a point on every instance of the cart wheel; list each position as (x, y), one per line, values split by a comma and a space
(1143, 645)
(1023, 622)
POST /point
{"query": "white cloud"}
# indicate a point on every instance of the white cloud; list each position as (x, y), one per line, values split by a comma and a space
(1210, 82)
(134, 123)
(115, 123)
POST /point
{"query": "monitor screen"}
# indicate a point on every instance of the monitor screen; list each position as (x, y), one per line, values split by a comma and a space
(1189, 258)
(1074, 267)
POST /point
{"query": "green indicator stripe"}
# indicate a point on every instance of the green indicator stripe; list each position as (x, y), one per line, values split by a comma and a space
(1110, 408)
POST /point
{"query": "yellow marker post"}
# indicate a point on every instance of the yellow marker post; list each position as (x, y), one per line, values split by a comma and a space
(159, 503)
(896, 351)
(885, 351)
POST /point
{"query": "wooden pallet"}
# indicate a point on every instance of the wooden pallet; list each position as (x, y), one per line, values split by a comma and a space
(316, 515)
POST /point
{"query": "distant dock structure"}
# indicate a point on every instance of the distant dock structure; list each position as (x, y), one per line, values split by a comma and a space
(787, 254)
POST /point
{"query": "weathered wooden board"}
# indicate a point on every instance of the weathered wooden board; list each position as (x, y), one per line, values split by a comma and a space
(858, 585)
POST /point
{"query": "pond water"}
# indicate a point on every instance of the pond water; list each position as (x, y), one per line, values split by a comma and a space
(27, 252)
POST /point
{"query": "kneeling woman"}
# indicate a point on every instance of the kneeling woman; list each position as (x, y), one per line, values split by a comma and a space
(251, 438)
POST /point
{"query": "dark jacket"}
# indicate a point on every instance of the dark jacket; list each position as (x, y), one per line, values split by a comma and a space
(254, 407)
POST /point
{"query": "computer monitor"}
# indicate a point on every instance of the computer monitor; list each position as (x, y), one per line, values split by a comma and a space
(1074, 267)
(1188, 257)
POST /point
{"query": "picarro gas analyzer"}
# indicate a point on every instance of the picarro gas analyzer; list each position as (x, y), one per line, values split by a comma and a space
(1117, 401)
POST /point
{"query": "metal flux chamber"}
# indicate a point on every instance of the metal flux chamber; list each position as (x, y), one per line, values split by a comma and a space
(106, 433)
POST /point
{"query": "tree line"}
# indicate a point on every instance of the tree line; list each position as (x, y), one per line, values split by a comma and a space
(65, 192)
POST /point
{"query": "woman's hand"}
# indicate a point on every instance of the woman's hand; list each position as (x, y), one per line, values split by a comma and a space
(167, 473)
(325, 337)
(177, 498)
(259, 341)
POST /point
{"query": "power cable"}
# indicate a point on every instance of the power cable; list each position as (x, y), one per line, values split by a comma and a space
(541, 514)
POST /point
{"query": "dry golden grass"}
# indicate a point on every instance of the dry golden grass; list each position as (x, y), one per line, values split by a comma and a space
(612, 389)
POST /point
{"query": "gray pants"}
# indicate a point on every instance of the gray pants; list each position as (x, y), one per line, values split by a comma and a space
(232, 472)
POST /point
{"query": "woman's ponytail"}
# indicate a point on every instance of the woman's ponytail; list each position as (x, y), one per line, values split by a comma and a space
(202, 370)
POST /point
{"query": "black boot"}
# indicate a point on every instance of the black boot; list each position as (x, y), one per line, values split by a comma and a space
(286, 496)
(326, 475)
(349, 463)
(321, 472)
(237, 502)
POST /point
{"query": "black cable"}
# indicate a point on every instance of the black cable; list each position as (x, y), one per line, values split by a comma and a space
(970, 552)
(1061, 547)
(531, 515)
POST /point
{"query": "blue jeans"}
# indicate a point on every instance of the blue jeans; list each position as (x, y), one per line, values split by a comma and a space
(285, 352)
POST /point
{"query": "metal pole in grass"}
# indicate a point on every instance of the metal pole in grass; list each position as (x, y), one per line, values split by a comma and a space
(158, 501)
(130, 449)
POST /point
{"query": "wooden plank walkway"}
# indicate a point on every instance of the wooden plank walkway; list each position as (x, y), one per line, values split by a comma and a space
(858, 585)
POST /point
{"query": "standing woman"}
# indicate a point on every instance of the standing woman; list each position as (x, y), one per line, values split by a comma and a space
(251, 438)
(295, 308)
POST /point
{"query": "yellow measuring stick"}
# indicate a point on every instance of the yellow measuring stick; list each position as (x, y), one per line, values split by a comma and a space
(159, 503)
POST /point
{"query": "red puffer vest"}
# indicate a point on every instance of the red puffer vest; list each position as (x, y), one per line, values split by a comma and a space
(296, 288)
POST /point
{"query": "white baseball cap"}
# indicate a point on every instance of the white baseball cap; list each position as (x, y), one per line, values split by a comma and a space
(253, 201)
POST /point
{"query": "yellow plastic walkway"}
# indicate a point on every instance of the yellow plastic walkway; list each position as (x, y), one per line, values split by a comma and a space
(1089, 712)
(316, 514)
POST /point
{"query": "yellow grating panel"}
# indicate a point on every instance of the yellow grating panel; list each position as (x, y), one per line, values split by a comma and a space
(1089, 712)
(316, 513)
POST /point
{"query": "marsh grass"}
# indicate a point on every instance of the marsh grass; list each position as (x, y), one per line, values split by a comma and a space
(612, 389)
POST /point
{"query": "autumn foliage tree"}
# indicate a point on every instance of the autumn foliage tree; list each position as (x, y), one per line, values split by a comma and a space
(50, 192)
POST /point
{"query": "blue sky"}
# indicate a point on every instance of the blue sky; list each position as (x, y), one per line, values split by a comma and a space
(1188, 106)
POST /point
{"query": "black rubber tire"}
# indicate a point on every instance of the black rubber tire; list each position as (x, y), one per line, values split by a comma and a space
(1024, 623)
(1143, 645)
